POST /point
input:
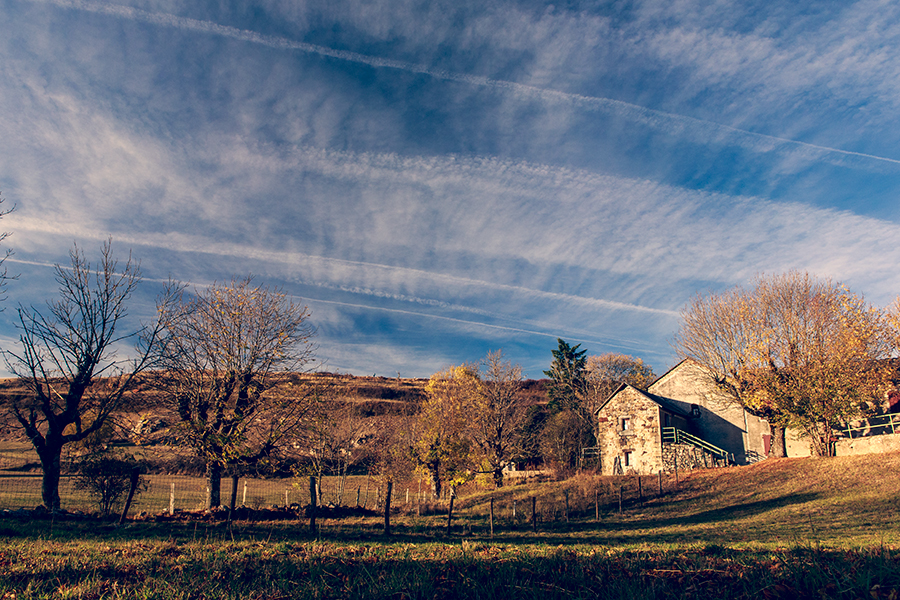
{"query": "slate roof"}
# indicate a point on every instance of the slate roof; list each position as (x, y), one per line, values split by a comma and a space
(664, 402)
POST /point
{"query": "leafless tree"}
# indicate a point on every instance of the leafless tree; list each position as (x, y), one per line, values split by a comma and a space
(499, 414)
(67, 358)
(606, 372)
(225, 358)
(336, 436)
(4, 273)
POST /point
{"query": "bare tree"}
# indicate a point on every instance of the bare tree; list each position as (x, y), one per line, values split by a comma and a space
(222, 354)
(68, 363)
(335, 437)
(606, 372)
(4, 273)
(498, 415)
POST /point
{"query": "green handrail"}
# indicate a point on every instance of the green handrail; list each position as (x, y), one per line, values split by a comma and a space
(673, 435)
(879, 425)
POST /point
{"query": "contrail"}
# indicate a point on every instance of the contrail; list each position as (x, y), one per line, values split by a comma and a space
(189, 243)
(758, 141)
(624, 344)
(571, 334)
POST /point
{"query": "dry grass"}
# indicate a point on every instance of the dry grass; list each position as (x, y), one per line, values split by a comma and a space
(794, 528)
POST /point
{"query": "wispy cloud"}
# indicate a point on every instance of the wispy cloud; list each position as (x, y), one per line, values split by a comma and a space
(670, 123)
(551, 172)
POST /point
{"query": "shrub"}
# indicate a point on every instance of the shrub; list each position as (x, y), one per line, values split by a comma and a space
(106, 476)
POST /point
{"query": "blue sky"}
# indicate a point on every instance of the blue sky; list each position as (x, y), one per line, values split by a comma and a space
(439, 179)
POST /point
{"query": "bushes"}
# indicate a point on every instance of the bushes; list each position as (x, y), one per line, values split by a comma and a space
(106, 477)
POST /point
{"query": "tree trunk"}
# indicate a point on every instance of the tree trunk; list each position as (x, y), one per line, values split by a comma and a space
(213, 484)
(436, 485)
(778, 447)
(498, 477)
(50, 465)
(234, 487)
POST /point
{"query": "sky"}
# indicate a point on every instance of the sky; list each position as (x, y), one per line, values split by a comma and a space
(439, 179)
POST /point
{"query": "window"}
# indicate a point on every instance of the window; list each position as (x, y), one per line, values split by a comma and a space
(627, 460)
(625, 424)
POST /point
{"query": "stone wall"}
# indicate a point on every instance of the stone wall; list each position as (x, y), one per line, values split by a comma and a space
(688, 458)
(641, 440)
(888, 442)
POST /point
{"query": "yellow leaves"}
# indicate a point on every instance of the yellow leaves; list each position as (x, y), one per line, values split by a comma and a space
(803, 347)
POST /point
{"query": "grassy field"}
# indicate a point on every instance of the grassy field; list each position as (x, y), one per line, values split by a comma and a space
(791, 528)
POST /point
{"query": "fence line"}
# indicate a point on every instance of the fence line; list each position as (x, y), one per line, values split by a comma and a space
(881, 425)
(23, 490)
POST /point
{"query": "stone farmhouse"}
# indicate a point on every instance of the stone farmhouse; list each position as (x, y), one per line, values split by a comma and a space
(682, 421)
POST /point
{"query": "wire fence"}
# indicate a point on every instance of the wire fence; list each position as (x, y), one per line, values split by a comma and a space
(165, 493)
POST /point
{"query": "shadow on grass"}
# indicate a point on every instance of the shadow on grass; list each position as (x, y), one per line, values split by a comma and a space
(476, 570)
(629, 528)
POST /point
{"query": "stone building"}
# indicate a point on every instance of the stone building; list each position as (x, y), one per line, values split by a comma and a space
(681, 421)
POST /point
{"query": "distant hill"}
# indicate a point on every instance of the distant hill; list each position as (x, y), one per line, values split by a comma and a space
(375, 395)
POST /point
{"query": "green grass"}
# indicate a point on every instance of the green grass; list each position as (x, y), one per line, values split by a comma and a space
(793, 528)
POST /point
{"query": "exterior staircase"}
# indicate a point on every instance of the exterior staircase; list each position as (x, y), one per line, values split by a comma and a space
(673, 435)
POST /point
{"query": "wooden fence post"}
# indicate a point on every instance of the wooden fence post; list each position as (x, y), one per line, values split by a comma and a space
(659, 475)
(534, 513)
(567, 506)
(640, 492)
(596, 505)
(172, 500)
(450, 513)
(620, 500)
(244, 499)
(387, 508)
(312, 506)
(492, 517)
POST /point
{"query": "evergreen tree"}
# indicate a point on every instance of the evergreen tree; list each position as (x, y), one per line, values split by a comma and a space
(567, 377)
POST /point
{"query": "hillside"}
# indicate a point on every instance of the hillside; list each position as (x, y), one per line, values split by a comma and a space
(844, 501)
(374, 396)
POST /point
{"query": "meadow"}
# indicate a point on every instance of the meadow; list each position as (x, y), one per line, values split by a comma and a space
(789, 528)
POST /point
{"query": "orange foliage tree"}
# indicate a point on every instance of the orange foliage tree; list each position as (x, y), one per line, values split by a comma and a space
(799, 351)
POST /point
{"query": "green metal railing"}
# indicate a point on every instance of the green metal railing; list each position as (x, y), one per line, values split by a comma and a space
(673, 435)
(882, 425)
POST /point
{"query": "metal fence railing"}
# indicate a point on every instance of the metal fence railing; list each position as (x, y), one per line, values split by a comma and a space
(673, 435)
(881, 425)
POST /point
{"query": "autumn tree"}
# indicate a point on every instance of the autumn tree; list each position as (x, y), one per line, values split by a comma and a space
(67, 358)
(563, 436)
(498, 414)
(226, 353)
(440, 446)
(794, 349)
